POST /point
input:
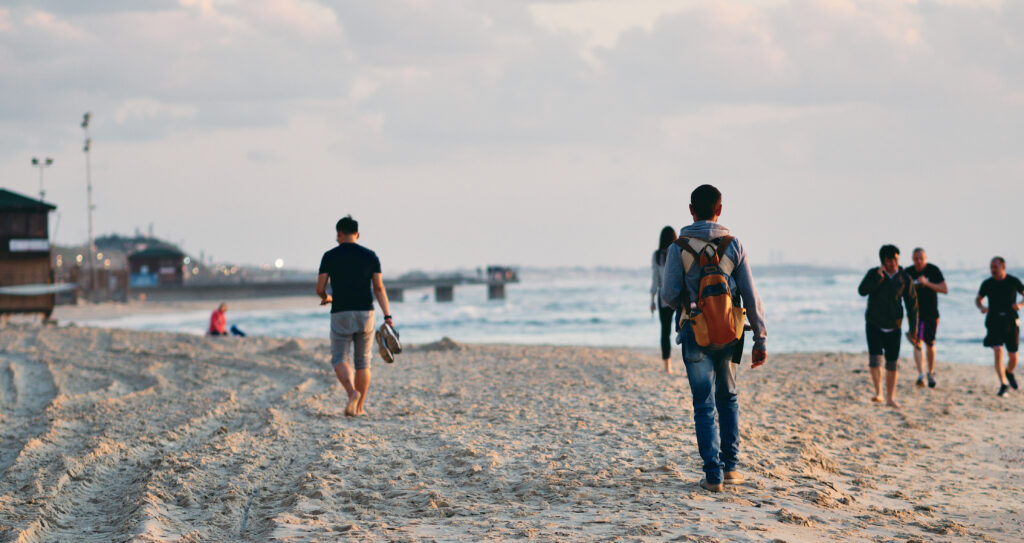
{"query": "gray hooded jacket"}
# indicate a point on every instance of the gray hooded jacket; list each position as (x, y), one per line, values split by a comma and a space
(673, 282)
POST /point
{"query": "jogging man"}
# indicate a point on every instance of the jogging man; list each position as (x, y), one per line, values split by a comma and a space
(1002, 321)
(928, 283)
(711, 373)
(352, 269)
(884, 286)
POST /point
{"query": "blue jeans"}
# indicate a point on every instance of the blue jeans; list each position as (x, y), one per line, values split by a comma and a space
(712, 377)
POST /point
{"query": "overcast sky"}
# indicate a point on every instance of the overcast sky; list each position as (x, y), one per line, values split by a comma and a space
(532, 133)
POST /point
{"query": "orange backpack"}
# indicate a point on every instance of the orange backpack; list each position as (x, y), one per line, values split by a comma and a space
(717, 319)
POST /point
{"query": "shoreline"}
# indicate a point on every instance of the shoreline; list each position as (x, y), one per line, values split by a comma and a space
(110, 311)
(165, 437)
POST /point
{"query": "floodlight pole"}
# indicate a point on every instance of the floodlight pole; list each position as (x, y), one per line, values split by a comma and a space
(88, 185)
(41, 164)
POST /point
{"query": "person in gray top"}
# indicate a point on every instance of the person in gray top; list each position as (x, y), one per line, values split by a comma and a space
(711, 372)
(665, 312)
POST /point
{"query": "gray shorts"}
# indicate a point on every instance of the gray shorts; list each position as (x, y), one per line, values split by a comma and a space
(348, 328)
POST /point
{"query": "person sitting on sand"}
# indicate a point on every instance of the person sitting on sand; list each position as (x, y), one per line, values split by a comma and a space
(929, 283)
(884, 286)
(711, 372)
(219, 323)
(665, 312)
(1001, 319)
(352, 269)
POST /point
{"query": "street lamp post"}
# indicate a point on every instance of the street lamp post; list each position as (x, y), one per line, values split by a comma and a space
(88, 185)
(42, 164)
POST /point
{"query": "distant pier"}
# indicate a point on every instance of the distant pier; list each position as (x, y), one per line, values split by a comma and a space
(495, 279)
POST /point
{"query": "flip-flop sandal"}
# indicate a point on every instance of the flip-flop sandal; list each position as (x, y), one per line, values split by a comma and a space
(353, 402)
(385, 353)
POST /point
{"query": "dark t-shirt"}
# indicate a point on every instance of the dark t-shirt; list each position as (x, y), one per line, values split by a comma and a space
(350, 268)
(1001, 294)
(927, 299)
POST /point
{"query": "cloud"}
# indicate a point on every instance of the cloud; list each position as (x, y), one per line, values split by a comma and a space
(555, 114)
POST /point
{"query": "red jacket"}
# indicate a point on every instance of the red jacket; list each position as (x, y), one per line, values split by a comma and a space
(218, 322)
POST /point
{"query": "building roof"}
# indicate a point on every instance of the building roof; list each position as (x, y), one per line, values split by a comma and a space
(157, 252)
(12, 201)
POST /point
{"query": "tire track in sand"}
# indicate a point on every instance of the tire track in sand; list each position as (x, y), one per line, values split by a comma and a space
(27, 388)
(112, 492)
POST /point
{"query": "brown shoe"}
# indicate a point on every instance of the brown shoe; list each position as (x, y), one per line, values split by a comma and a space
(711, 487)
(733, 478)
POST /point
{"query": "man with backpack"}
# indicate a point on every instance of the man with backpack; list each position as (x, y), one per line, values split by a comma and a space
(706, 275)
(885, 286)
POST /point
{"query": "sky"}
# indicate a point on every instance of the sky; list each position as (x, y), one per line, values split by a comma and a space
(560, 133)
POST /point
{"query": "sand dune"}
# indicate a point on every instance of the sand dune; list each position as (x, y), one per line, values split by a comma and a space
(113, 435)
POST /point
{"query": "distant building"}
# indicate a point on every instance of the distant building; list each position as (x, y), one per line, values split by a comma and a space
(156, 266)
(25, 269)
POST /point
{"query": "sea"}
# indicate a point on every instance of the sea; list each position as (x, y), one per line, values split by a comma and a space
(807, 309)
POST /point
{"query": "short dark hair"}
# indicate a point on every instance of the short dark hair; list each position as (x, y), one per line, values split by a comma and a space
(704, 200)
(887, 252)
(999, 259)
(919, 250)
(347, 225)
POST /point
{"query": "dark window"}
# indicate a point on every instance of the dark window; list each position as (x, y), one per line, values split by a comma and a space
(37, 225)
(13, 224)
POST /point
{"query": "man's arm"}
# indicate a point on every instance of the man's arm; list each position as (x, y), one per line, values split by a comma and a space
(672, 280)
(752, 301)
(937, 287)
(382, 297)
(321, 289)
(981, 307)
(910, 301)
(872, 280)
(1017, 307)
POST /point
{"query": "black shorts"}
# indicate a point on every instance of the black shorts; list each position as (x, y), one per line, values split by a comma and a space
(883, 345)
(1002, 330)
(926, 330)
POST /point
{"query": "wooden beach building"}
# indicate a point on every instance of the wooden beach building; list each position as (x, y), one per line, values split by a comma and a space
(157, 266)
(25, 266)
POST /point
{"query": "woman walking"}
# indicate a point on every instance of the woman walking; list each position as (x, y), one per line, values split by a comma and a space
(668, 235)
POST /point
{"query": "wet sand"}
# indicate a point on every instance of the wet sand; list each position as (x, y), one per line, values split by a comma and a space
(113, 435)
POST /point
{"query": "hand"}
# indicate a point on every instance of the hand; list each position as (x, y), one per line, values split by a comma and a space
(1016, 307)
(653, 307)
(914, 339)
(758, 357)
(923, 280)
(983, 310)
(881, 271)
(326, 300)
(390, 321)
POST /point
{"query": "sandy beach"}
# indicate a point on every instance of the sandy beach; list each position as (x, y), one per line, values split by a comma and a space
(112, 435)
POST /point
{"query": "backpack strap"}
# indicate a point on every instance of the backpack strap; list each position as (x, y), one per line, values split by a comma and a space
(723, 244)
(724, 263)
(684, 244)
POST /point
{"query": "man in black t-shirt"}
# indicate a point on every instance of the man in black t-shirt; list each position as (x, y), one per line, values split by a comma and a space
(929, 282)
(1002, 321)
(354, 273)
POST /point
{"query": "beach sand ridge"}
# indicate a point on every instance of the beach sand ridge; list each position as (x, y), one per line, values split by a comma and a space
(114, 435)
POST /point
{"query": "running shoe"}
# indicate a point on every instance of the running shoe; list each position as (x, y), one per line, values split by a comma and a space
(1012, 380)
(920, 382)
(931, 381)
(1003, 390)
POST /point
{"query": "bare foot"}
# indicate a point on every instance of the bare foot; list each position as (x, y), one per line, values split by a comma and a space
(892, 404)
(353, 404)
(877, 399)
